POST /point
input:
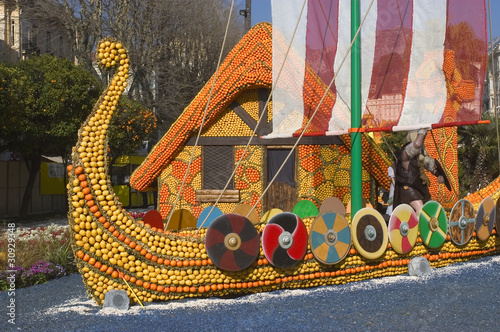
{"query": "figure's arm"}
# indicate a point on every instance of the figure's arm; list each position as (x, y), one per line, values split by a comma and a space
(434, 170)
(429, 163)
(390, 172)
(414, 148)
(418, 143)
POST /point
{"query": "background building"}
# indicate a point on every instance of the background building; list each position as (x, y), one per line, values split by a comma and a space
(488, 94)
(21, 37)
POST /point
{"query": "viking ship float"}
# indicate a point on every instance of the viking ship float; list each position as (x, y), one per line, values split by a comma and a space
(255, 175)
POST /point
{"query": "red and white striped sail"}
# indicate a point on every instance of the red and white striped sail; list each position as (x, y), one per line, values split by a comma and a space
(423, 64)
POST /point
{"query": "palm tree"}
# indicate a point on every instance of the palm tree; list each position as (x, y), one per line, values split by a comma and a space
(477, 155)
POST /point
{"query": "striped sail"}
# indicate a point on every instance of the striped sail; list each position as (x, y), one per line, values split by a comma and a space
(423, 64)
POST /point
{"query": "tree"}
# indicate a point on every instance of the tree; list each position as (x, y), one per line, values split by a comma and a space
(44, 100)
(478, 154)
(131, 125)
(392, 143)
(79, 20)
(173, 45)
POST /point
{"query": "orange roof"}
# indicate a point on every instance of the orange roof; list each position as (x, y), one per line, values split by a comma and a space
(249, 64)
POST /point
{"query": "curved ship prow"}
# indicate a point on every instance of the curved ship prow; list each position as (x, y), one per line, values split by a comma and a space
(316, 245)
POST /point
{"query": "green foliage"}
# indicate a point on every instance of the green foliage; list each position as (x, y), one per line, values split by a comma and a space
(11, 90)
(42, 254)
(478, 156)
(392, 143)
(63, 256)
(44, 100)
(132, 123)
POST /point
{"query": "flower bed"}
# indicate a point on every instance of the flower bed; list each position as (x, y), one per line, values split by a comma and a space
(137, 215)
(41, 254)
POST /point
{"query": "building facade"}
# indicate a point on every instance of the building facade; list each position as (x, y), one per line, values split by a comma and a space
(21, 36)
(492, 81)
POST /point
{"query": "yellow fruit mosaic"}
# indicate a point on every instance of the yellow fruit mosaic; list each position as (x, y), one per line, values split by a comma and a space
(248, 178)
(325, 171)
(249, 100)
(441, 144)
(171, 179)
(114, 251)
(228, 125)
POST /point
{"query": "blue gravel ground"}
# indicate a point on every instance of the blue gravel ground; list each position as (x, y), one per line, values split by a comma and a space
(460, 297)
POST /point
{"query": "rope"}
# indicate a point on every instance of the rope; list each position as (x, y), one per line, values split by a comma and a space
(324, 34)
(135, 295)
(314, 113)
(441, 160)
(401, 27)
(204, 115)
(258, 122)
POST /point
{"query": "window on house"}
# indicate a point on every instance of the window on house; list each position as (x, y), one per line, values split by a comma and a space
(12, 32)
(218, 163)
(275, 160)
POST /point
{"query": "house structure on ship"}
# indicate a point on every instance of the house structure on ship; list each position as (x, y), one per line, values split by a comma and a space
(319, 168)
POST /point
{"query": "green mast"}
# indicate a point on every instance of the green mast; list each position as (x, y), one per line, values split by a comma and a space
(356, 179)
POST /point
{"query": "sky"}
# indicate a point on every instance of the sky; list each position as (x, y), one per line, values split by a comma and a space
(261, 12)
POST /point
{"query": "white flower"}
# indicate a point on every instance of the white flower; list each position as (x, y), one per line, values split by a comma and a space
(53, 231)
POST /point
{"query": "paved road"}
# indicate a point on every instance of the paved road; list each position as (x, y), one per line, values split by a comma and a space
(461, 297)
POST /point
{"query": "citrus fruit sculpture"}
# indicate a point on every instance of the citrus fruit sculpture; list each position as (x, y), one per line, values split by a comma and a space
(114, 251)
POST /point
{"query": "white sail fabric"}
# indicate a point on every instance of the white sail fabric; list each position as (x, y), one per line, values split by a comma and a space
(422, 64)
(288, 104)
(425, 97)
(343, 79)
(342, 70)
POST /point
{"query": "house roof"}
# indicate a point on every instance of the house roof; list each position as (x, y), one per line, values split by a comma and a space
(248, 65)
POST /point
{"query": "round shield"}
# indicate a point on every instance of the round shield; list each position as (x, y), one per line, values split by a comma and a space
(232, 242)
(247, 211)
(209, 214)
(153, 218)
(433, 224)
(497, 219)
(284, 240)
(462, 222)
(181, 218)
(332, 204)
(403, 229)
(305, 208)
(369, 233)
(485, 218)
(330, 238)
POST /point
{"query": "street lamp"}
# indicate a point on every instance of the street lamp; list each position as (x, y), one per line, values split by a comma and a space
(246, 13)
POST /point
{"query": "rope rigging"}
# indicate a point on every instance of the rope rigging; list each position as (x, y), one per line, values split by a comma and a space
(204, 115)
